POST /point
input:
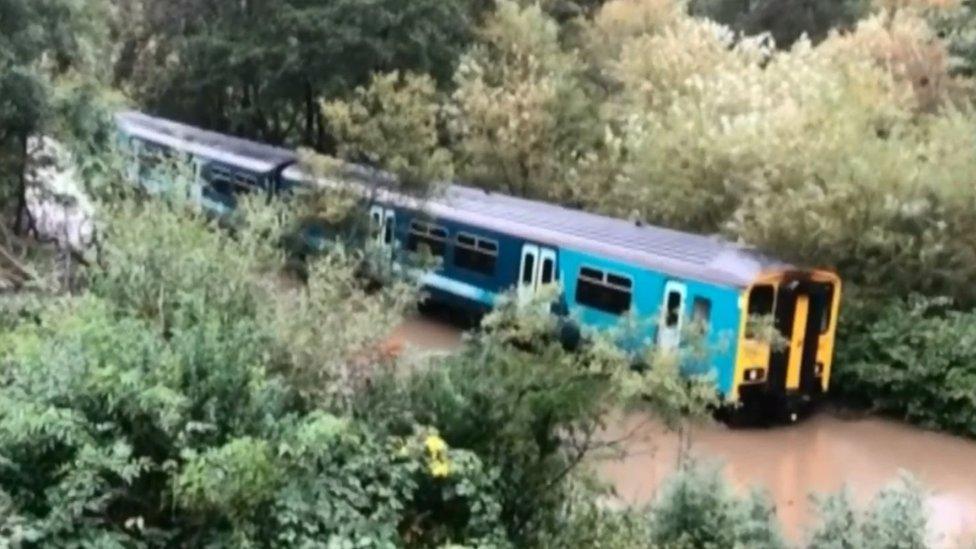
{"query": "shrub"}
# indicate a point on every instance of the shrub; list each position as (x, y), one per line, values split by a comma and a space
(164, 407)
(697, 509)
(531, 410)
(895, 519)
(911, 358)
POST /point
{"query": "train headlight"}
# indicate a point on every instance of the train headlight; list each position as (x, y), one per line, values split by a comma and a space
(754, 375)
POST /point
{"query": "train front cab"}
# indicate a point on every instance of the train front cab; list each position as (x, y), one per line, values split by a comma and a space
(787, 366)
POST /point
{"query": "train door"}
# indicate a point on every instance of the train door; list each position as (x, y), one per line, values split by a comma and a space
(536, 270)
(672, 315)
(802, 309)
(820, 299)
(382, 227)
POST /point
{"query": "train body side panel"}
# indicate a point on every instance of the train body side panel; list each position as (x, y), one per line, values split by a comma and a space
(458, 286)
(647, 300)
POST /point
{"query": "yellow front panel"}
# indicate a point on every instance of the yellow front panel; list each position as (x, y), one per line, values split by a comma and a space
(825, 351)
(796, 342)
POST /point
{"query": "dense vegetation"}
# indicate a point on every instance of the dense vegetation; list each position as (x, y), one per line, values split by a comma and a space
(185, 392)
(180, 391)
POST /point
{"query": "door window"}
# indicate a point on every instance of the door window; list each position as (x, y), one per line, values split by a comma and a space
(528, 269)
(672, 315)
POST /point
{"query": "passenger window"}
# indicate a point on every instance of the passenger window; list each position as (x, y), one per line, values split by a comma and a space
(547, 271)
(761, 302)
(610, 293)
(475, 254)
(673, 315)
(701, 313)
(433, 236)
(528, 269)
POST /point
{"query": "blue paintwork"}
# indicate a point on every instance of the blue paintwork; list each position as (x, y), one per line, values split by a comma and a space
(471, 290)
(210, 199)
(646, 308)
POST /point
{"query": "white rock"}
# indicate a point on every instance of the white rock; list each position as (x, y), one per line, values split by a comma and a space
(61, 210)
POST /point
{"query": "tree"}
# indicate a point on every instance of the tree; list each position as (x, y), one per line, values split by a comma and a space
(394, 124)
(785, 20)
(522, 117)
(40, 42)
(260, 68)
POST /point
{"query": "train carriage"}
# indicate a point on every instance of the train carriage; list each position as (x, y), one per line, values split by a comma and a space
(609, 270)
(224, 167)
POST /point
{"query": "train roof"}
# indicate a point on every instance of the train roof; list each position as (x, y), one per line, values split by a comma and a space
(234, 151)
(677, 253)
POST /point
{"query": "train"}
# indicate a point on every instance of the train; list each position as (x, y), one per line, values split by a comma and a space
(607, 271)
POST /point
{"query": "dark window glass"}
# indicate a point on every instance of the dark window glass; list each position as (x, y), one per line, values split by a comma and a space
(620, 281)
(761, 300)
(701, 313)
(828, 311)
(592, 291)
(374, 225)
(388, 231)
(475, 255)
(432, 236)
(674, 309)
(227, 182)
(591, 273)
(528, 268)
(547, 271)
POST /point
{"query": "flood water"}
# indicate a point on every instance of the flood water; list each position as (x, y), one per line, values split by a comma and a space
(819, 455)
(822, 454)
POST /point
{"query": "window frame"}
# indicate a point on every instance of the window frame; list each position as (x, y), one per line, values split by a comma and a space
(479, 246)
(422, 231)
(706, 322)
(600, 278)
(747, 333)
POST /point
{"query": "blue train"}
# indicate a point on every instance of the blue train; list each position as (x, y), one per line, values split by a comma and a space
(608, 269)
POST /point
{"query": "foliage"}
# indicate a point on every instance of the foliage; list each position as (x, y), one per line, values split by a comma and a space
(259, 68)
(895, 518)
(394, 123)
(697, 508)
(530, 409)
(47, 47)
(785, 20)
(163, 407)
(913, 359)
(522, 116)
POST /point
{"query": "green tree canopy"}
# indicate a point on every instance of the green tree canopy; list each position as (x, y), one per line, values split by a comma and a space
(259, 68)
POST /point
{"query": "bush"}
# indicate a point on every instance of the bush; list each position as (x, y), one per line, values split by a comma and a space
(164, 407)
(910, 358)
(532, 411)
(895, 519)
(697, 509)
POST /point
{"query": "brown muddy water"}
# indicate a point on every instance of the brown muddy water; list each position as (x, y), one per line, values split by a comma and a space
(820, 455)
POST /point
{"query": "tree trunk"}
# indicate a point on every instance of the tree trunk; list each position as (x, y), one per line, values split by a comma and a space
(23, 221)
(310, 115)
